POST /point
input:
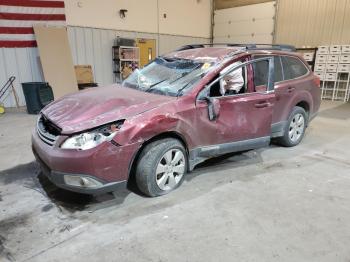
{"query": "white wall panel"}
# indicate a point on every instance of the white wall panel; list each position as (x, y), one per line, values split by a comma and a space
(94, 47)
(182, 17)
(88, 46)
(168, 43)
(245, 24)
(35, 65)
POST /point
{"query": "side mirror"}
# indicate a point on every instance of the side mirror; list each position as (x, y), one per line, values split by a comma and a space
(213, 108)
(213, 104)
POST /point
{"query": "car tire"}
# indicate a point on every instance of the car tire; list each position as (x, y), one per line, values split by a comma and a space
(295, 128)
(161, 167)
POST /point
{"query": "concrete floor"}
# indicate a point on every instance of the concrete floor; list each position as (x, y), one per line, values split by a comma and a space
(271, 204)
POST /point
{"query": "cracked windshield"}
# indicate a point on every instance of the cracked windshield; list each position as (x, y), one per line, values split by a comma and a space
(168, 76)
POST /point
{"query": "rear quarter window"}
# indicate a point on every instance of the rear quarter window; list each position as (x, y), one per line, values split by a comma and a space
(261, 70)
(293, 67)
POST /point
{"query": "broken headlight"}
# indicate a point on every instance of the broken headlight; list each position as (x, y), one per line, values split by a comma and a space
(93, 138)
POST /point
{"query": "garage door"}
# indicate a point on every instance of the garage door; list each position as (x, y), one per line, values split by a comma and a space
(245, 24)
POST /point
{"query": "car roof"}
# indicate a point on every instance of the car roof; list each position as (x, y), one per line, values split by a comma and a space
(219, 53)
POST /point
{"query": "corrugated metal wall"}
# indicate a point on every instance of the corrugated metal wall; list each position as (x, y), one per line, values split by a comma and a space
(89, 46)
(94, 47)
(313, 22)
(22, 63)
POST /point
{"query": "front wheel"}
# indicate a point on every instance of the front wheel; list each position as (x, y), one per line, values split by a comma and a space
(161, 167)
(295, 129)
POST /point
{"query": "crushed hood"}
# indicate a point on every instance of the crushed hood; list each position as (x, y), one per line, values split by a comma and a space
(100, 105)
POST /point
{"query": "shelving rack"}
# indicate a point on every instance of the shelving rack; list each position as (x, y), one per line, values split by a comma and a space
(125, 60)
(332, 65)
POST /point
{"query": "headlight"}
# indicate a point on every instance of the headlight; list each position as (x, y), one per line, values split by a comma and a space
(92, 138)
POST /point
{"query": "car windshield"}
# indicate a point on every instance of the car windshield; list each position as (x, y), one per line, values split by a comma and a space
(168, 76)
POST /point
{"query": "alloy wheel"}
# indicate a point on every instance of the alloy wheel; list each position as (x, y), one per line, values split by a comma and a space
(170, 169)
(296, 127)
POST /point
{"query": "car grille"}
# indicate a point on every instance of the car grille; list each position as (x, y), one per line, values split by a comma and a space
(47, 131)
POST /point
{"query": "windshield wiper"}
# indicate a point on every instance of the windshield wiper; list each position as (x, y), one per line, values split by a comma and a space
(190, 82)
(185, 74)
(155, 84)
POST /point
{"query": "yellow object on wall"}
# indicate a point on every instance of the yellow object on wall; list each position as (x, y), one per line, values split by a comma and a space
(147, 50)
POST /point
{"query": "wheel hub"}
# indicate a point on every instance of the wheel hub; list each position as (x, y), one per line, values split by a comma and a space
(170, 169)
(296, 127)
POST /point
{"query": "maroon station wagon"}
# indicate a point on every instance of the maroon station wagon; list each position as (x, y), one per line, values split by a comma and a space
(187, 106)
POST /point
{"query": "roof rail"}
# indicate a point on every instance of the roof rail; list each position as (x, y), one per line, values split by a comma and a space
(186, 47)
(280, 47)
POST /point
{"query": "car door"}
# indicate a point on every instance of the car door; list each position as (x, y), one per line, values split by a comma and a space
(294, 72)
(283, 91)
(243, 120)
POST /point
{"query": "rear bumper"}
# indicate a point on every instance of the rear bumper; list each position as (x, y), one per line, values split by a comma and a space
(106, 165)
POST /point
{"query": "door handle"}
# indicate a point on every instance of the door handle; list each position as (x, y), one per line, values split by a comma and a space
(291, 89)
(262, 104)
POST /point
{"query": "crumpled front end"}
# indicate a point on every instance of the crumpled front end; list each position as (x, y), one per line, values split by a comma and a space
(103, 168)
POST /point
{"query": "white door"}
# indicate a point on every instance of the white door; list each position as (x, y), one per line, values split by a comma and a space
(245, 24)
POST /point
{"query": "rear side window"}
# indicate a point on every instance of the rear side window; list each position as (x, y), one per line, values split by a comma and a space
(261, 73)
(293, 67)
(278, 69)
(261, 70)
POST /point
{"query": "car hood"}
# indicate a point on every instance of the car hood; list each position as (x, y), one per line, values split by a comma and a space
(100, 105)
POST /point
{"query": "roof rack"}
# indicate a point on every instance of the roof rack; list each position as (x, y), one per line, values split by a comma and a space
(280, 47)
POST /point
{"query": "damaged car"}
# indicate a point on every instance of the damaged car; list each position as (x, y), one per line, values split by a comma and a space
(181, 109)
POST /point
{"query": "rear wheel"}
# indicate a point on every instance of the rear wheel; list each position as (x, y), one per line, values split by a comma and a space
(161, 167)
(295, 129)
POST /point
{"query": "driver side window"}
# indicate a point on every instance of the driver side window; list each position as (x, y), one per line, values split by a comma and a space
(232, 83)
(229, 83)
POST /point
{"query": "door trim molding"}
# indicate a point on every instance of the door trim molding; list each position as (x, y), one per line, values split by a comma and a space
(200, 154)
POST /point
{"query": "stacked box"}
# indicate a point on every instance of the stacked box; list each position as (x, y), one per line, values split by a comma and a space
(332, 66)
(308, 56)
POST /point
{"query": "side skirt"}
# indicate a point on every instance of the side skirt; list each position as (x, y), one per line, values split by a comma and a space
(200, 154)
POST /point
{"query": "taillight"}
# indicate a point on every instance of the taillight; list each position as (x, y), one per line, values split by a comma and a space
(317, 81)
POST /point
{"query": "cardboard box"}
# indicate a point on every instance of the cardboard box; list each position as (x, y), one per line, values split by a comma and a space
(345, 49)
(344, 59)
(84, 74)
(344, 68)
(335, 49)
(330, 77)
(331, 67)
(323, 49)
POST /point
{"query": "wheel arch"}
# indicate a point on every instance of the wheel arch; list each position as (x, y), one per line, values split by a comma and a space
(305, 105)
(163, 135)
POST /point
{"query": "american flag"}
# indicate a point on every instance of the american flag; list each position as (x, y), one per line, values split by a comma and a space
(17, 18)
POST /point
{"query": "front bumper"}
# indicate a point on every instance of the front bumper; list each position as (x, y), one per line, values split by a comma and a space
(107, 164)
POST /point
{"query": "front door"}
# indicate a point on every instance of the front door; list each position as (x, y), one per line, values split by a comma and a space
(244, 112)
(244, 117)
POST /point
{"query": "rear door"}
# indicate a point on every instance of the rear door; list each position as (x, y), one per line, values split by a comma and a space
(282, 90)
(290, 75)
(294, 73)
